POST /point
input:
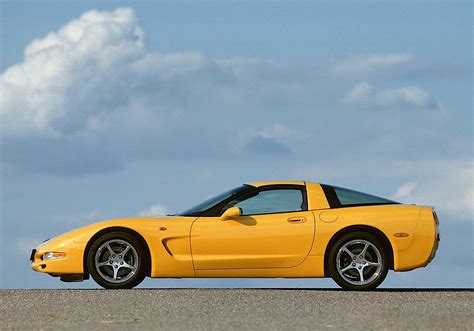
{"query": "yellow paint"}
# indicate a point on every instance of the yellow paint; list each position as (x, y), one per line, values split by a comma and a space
(273, 245)
(329, 216)
(231, 213)
(280, 182)
(252, 241)
(316, 197)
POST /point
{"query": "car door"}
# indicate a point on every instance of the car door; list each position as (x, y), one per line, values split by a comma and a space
(275, 230)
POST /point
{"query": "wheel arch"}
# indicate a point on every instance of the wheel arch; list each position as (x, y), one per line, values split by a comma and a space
(117, 229)
(364, 228)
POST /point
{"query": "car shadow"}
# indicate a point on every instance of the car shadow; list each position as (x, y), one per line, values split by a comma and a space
(326, 289)
(399, 290)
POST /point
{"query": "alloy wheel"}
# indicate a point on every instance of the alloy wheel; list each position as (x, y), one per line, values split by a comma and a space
(116, 261)
(359, 262)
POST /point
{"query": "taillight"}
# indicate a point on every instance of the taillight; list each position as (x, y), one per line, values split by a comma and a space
(435, 218)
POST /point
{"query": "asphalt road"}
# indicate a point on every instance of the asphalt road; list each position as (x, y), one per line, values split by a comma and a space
(236, 309)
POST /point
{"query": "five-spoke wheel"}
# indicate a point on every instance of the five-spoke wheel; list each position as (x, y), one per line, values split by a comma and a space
(358, 261)
(116, 260)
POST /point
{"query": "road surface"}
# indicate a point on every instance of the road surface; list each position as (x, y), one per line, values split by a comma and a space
(249, 309)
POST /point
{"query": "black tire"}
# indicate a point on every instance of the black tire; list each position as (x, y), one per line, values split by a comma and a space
(363, 273)
(131, 268)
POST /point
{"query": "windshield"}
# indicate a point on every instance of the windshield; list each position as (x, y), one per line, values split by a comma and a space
(196, 210)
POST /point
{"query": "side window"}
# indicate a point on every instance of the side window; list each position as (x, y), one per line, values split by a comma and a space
(272, 201)
(353, 198)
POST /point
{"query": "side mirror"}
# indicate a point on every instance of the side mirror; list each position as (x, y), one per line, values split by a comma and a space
(230, 213)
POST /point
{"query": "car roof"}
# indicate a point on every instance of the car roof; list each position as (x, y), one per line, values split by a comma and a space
(278, 182)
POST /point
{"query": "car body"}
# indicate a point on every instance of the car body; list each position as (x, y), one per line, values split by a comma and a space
(265, 229)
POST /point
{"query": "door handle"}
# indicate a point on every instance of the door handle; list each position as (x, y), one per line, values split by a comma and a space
(296, 220)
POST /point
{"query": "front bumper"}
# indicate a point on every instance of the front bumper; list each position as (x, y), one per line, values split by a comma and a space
(71, 264)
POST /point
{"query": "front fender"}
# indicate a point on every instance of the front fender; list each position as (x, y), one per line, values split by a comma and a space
(167, 239)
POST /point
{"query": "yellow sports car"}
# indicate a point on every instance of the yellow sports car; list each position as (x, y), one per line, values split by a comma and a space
(271, 229)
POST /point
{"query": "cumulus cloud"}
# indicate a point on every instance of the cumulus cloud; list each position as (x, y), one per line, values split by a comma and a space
(157, 209)
(372, 65)
(366, 95)
(60, 72)
(90, 97)
(95, 72)
(93, 80)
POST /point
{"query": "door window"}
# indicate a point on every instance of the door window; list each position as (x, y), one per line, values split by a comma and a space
(272, 201)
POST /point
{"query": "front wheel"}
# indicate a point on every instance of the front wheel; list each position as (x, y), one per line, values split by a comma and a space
(358, 262)
(116, 260)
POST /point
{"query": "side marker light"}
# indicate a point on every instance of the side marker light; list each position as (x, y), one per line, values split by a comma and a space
(400, 234)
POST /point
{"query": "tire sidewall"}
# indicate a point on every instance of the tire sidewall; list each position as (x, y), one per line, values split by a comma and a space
(139, 275)
(332, 263)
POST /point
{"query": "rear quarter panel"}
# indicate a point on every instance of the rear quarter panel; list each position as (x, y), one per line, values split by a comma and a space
(408, 252)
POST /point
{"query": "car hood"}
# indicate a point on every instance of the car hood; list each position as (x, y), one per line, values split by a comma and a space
(85, 233)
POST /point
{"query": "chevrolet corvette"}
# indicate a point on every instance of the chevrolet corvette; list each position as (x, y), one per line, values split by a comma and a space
(271, 229)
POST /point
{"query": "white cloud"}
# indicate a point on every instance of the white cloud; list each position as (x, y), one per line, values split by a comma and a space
(276, 131)
(157, 209)
(373, 65)
(279, 132)
(93, 72)
(405, 190)
(365, 95)
(448, 185)
(94, 80)
(63, 67)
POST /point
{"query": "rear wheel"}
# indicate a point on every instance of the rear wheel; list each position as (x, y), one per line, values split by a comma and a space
(116, 260)
(358, 262)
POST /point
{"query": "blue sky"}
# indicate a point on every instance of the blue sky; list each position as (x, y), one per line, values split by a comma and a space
(117, 109)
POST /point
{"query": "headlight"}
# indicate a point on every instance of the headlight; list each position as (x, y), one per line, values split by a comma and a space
(53, 256)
